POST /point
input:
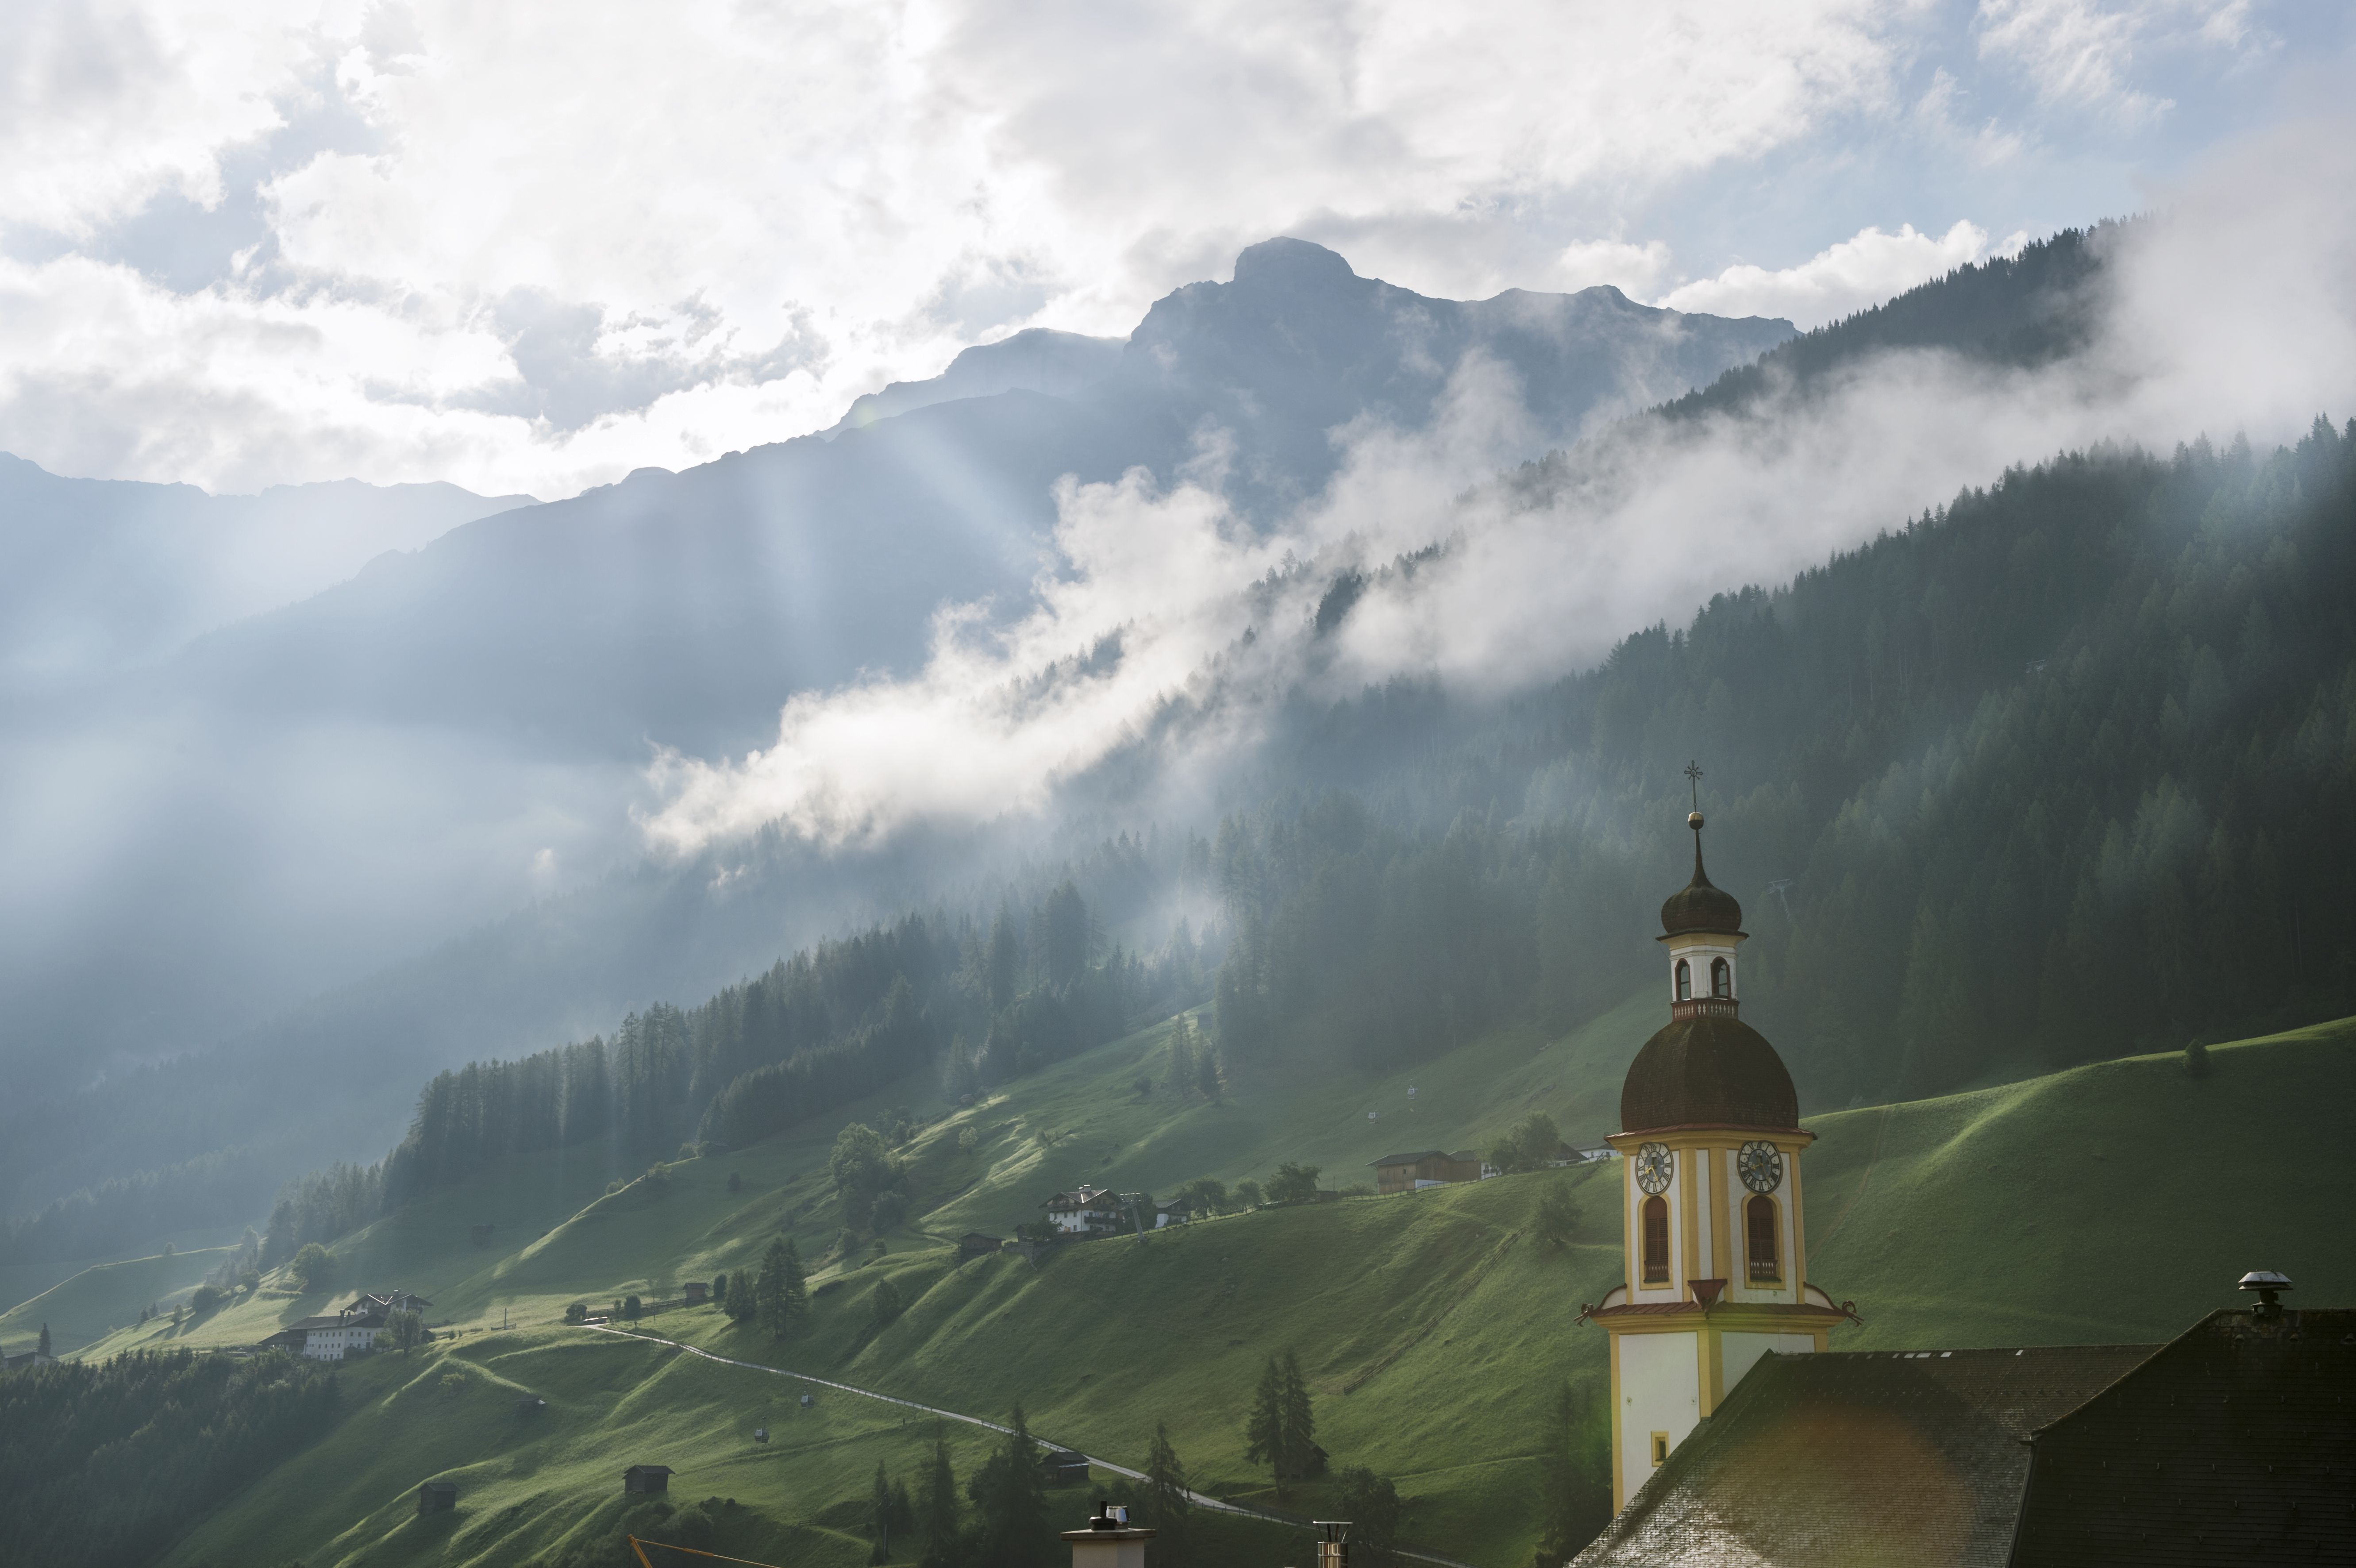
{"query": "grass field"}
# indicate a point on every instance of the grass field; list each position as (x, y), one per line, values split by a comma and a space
(2113, 1202)
(95, 1300)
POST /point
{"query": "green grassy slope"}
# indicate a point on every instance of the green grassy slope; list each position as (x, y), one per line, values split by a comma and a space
(558, 1236)
(95, 1302)
(2113, 1202)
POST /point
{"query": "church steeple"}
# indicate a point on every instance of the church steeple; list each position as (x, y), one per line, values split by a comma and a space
(1716, 1249)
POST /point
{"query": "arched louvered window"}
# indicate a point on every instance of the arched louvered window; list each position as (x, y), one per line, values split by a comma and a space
(1685, 981)
(1721, 979)
(1656, 1241)
(1759, 1222)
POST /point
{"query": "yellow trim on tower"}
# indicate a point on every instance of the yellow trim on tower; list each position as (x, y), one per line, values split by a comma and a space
(1619, 1498)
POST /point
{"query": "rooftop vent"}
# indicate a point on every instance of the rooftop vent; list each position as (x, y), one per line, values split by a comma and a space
(2269, 1286)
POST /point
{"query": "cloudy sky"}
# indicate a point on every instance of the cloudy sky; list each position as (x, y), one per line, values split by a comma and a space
(530, 248)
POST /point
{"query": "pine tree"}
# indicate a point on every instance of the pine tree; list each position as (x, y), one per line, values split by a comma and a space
(1300, 1421)
(1206, 1073)
(1280, 1428)
(1013, 1528)
(940, 1509)
(739, 1303)
(1166, 1508)
(781, 1296)
(1181, 1077)
(880, 1508)
(42, 1349)
(1574, 1496)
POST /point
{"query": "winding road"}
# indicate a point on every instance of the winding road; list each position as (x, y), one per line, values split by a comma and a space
(1200, 1499)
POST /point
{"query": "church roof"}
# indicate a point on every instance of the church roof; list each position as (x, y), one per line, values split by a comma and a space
(1708, 1071)
(1698, 906)
(2237, 1441)
(1860, 1456)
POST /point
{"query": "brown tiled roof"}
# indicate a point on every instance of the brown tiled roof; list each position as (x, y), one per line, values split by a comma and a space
(1707, 1070)
(1907, 1458)
(2236, 1442)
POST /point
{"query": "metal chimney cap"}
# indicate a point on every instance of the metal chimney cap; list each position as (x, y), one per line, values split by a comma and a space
(2266, 1279)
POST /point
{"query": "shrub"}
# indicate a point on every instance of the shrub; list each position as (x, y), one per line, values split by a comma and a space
(884, 1303)
(630, 1306)
(312, 1268)
(207, 1297)
(1530, 1147)
(1557, 1216)
(1293, 1183)
(577, 1313)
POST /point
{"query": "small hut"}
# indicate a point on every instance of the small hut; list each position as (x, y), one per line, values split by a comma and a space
(647, 1478)
(698, 1291)
(1064, 1467)
(437, 1496)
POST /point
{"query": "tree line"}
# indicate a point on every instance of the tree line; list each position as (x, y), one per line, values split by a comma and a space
(820, 1029)
(107, 1462)
(2061, 770)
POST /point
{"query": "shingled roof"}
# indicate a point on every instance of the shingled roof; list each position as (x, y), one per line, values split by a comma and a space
(2235, 1443)
(1913, 1457)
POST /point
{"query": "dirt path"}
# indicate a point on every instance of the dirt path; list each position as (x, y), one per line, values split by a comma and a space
(1200, 1499)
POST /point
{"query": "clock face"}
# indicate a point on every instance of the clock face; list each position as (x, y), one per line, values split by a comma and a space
(1761, 1166)
(1653, 1167)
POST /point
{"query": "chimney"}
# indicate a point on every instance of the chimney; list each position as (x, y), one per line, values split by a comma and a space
(1333, 1543)
(1109, 1541)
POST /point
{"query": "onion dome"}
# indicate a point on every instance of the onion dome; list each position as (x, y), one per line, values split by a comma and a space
(1698, 906)
(1708, 1070)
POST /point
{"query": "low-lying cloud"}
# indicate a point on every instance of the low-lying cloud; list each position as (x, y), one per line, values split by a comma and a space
(2233, 310)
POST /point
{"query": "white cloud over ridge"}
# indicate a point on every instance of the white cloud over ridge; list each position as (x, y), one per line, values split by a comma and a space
(1842, 279)
(2234, 311)
(527, 249)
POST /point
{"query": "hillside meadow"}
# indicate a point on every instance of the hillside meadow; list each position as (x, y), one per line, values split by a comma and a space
(2117, 1201)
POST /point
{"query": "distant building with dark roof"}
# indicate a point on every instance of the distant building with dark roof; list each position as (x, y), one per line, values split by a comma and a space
(437, 1496)
(647, 1478)
(1425, 1167)
(1064, 1467)
(1085, 1210)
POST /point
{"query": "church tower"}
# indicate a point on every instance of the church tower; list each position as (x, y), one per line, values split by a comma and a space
(1715, 1248)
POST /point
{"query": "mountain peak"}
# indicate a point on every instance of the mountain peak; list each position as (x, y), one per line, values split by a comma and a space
(1286, 263)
